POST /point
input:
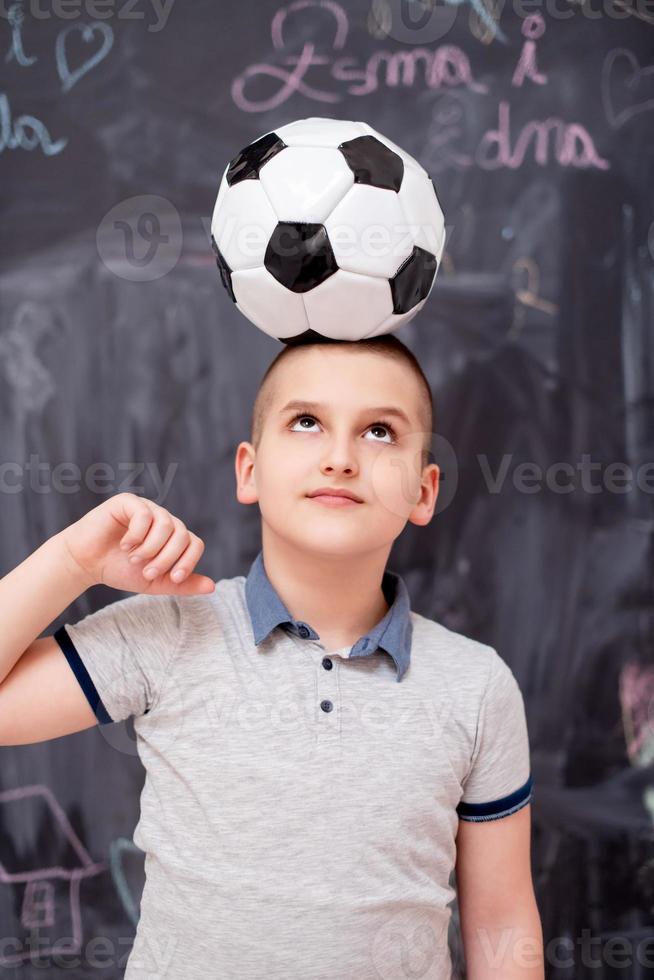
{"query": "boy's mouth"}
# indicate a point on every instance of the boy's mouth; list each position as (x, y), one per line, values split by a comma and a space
(335, 496)
(331, 501)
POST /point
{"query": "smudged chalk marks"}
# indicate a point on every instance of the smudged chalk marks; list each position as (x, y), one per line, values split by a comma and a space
(117, 848)
(526, 279)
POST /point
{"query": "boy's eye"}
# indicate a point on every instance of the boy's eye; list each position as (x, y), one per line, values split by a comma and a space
(302, 418)
(376, 425)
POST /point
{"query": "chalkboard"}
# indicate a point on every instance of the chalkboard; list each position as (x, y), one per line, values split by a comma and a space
(126, 367)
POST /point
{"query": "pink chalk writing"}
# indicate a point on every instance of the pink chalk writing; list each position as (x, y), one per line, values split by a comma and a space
(551, 139)
(636, 685)
(446, 66)
(342, 25)
(532, 28)
(451, 143)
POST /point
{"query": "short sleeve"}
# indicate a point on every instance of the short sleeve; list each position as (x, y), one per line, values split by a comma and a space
(499, 779)
(120, 653)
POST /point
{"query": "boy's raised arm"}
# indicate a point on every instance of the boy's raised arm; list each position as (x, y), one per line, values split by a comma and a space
(39, 695)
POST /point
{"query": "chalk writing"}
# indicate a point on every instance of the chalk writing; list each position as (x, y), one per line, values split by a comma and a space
(526, 275)
(633, 12)
(532, 29)
(117, 848)
(618, 87)
(25, 132)
(88, 33)
(446, 132)
(483, 12)
(551, 140)
(487, 28)
(445, 66)
(424, 21)
(529, 295)
(636, 685)
(15, 18)
(569, 144)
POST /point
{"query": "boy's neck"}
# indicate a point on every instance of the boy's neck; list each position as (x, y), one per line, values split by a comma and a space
(341, 599)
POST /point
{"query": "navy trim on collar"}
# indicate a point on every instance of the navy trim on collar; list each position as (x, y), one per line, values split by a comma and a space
(392, 633)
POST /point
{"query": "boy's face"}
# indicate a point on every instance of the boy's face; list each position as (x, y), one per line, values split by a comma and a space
(341, 442)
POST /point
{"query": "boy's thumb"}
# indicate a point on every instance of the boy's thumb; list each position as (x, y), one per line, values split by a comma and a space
(194, 584)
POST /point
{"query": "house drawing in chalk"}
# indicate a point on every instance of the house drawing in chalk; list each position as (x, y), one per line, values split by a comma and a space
(44, 901)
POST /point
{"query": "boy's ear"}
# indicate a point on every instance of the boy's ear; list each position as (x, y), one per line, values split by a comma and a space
(246, 492)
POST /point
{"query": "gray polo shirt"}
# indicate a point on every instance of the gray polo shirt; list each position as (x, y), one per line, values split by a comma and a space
(300, 805)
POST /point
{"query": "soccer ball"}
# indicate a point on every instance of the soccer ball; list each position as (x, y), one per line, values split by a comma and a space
(324, 228)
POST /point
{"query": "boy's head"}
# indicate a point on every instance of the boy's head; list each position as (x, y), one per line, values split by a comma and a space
(340, 438)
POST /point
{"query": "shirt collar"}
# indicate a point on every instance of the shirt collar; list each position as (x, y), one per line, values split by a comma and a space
(392, 633)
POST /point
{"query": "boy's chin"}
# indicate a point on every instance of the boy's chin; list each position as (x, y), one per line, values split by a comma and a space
(323, 539)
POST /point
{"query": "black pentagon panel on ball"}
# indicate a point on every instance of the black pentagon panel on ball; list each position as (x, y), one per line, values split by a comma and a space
(299, 255)
(247, 164)
(373, 163)
(223, 268)
(412, 281)
(307, 337)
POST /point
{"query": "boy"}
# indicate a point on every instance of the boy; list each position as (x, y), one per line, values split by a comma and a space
(319, 758)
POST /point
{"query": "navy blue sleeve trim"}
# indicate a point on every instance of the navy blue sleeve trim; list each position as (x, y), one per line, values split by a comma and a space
(498, 808)
(83, 676)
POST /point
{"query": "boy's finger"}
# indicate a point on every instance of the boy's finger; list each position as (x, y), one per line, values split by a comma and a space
(193, 584)
(139, 524)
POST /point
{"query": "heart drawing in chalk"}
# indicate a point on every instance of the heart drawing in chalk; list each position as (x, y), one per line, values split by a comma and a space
(89, 31)
(624, 81)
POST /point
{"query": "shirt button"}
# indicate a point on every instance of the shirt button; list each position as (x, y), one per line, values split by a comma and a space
(327, 664)
(326, 705)
(303, 631)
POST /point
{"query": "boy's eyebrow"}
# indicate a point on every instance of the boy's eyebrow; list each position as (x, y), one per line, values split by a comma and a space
(299, 405)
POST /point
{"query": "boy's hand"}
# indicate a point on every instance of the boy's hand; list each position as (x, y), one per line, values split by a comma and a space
(104, 540)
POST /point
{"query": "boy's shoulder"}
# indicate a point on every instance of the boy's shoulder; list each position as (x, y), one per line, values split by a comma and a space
(460, 655)
(227, 602)
(432, 631)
